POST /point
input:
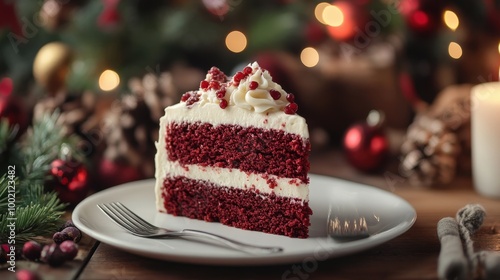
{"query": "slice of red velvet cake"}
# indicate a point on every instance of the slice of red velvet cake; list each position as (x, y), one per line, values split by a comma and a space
(235, 152)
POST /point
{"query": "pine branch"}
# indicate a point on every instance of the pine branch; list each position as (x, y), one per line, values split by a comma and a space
(9, 149)
(36, 213)
(42, 146)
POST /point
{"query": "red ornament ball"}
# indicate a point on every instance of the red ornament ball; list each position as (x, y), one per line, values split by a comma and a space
(366, 146)
(70, 180)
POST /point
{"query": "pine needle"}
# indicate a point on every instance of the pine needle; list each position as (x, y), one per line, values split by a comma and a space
(37, 211)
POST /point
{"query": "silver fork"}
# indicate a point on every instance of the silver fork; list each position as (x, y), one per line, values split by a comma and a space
(131, 222)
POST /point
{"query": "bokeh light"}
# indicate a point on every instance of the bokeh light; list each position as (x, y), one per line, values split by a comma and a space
(333, 16)
(236, 41)
(454, 50)
(318, 11)
(347, 27)
(451, 20)
(309, 57)
(109, 80)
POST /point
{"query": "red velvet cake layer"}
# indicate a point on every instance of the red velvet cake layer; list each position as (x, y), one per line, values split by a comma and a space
(248, 149)
(243, 209)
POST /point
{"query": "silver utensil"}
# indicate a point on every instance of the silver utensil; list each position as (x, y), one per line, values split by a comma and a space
(347, 224)
(131, 222)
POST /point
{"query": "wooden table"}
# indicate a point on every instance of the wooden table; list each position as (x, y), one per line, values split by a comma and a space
(412, 255)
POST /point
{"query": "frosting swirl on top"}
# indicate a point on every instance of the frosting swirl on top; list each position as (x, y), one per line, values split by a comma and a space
(258, 99)
(252, 89)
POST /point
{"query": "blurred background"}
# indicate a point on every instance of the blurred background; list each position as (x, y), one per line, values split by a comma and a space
(109, 67)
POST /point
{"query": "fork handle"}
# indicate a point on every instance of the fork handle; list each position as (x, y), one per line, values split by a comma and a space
(228, 242)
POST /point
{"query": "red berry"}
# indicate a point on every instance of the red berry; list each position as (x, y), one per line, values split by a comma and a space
(204, 84)
(238, 77)
(69, 249)
(253, 85)
(60, 236)
(25, 274)
(291, 108)
(275, 94)
(290, 97)
(73, 233)
(52, 255)
(214, 84)
(32, 250)
(68, 223)
(247, 70)
(223, 103)
(221, 93)
(185, 96)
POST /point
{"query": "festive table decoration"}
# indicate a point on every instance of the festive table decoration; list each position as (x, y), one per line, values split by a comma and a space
(38, 210)
(485, 136)
(457, 259)
(365, 144)
(437, 143)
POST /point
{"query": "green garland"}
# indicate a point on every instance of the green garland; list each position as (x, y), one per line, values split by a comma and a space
(37, 211)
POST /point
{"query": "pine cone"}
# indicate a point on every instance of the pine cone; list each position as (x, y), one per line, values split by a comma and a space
(75, 111)
(131, 126)
(438, 143)
(429, 153)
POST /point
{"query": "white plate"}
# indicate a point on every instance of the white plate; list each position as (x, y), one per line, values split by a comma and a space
(395, 217)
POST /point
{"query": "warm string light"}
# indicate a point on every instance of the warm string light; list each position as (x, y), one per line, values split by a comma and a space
(236, 41)
(318, 11)
(338, 18)
(454, 50)
(451, 20)
(309, 57)
(109, 80)
(333, 16)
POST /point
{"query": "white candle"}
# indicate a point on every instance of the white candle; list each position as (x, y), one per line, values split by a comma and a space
(485, 133)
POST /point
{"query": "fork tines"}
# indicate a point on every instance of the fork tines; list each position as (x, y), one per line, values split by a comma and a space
(125, 218)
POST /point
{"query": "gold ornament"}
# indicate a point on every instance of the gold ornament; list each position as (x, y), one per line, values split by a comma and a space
(51, 66)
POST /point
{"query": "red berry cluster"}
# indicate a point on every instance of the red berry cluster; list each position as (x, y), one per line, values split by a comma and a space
(292, 107)
(190, 97)
(241, 75)
(217, 75)
(217, 82)
(63, 249)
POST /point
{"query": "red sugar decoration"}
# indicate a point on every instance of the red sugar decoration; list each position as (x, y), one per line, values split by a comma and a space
(253, 85)
(217, 75)
(190, 97)
(275, 94)
(214, 84)
(238, 77)
(291, 108)
(221, 93)
(185, 96)
(204, 84)
(290, 97)
(235, 207)
(247, 70)
(230, 146)
(223, 103)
